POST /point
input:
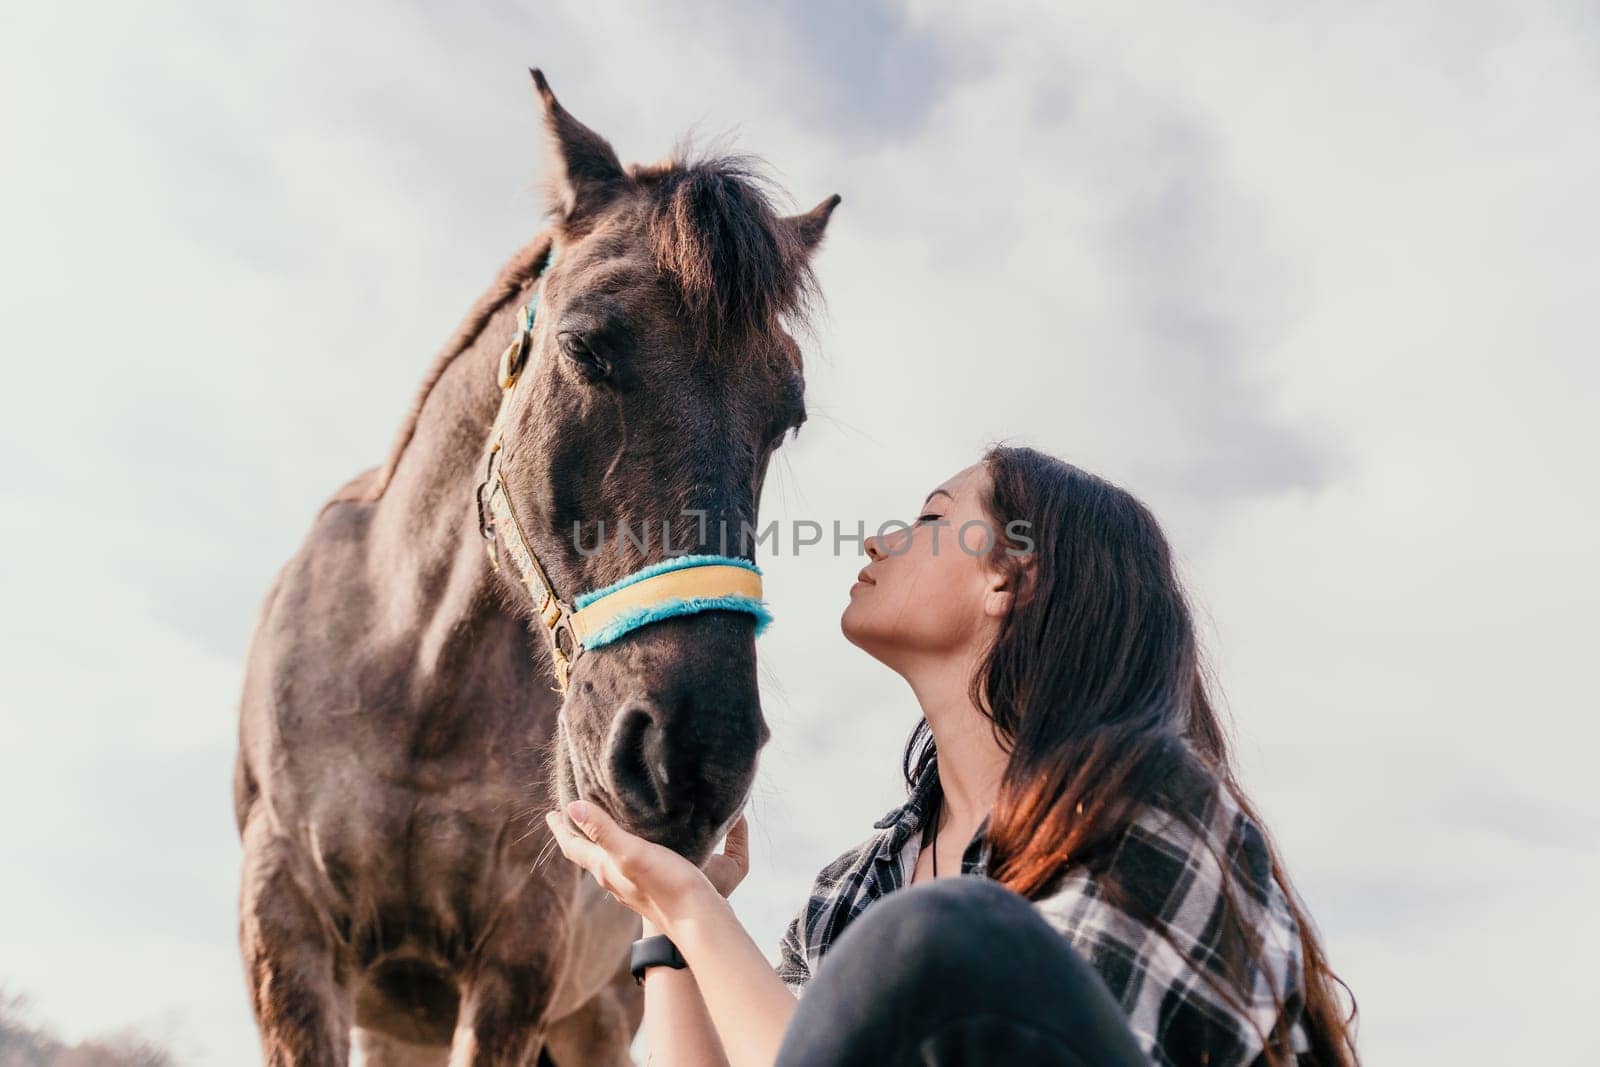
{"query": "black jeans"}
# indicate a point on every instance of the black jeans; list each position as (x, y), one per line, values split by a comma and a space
(959, 971)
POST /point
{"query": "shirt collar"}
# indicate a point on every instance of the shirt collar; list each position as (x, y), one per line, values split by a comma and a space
(908, 819)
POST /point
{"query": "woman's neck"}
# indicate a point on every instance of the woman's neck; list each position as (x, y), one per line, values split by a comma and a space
(971, 761)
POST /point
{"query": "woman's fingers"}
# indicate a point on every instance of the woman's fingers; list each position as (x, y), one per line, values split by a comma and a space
(600, 847)
(577, 847)
(601, 832)
(596, 823)
(737, 846)
(726, 869)
(649, 879)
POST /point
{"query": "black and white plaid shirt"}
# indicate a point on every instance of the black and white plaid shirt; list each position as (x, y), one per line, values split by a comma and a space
(1177, 1018)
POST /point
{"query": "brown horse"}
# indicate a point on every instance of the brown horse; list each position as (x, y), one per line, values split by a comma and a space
(399, 736)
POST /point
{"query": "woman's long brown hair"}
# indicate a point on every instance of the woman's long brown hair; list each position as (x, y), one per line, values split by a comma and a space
(1095, 685)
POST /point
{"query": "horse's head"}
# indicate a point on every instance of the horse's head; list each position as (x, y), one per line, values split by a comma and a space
(659, 382)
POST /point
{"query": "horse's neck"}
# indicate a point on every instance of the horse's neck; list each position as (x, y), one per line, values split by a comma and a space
(429, 559)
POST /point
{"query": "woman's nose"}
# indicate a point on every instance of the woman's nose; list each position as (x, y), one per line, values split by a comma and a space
(874, 550)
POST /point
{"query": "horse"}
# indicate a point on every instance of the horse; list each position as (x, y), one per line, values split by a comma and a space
(399, 733)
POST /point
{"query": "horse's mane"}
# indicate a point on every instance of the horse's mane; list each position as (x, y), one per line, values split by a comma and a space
(369, 485)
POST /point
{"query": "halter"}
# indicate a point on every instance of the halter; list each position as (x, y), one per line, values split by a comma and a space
(677, 585)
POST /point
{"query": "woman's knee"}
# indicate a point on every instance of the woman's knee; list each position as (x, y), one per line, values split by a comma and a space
(944, 922)
(972, 899)
(957, 951)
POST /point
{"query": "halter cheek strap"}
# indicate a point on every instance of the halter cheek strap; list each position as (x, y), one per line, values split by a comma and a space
(678, 585)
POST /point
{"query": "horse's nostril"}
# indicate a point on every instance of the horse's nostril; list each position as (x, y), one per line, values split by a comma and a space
(637, 759)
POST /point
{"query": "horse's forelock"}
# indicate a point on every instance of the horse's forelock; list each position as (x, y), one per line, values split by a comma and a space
(739, 269)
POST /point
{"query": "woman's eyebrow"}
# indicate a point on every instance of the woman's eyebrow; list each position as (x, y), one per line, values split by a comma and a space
(935, 493)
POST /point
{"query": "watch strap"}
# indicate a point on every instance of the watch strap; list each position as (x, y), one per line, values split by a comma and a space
(654, 951)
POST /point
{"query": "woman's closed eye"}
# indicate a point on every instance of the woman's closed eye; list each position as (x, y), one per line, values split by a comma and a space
(926, 517)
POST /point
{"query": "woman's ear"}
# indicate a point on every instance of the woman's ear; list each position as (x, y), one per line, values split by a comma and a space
(1009, 584)
(997, 604)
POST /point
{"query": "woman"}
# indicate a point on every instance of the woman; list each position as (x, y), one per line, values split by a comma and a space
(1129, 907)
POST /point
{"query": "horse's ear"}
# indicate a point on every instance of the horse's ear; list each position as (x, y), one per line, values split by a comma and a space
(809, 227)
(583, 174)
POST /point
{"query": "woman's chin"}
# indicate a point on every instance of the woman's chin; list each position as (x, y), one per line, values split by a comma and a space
(855, 630)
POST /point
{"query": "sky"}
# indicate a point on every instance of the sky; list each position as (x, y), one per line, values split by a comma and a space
(1318, 286)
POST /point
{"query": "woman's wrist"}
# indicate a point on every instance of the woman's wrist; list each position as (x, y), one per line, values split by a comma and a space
(694, 900)
(696, 915)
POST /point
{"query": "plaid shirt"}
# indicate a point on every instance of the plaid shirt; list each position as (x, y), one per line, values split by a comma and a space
(1176, 1017)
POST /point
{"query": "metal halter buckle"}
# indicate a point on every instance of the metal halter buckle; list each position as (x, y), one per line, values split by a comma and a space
(512, 359)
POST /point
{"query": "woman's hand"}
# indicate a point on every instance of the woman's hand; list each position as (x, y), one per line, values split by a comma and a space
(726, 869)
(653, 881)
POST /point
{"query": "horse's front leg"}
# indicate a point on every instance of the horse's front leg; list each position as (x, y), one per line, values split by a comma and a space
(302, 1003)
(600, 1033)
(546, 986)
(501, 1021)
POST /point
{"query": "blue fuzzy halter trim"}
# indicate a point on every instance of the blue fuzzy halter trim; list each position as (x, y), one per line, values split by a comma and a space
(532, 305)
(632, 620)
(629, 621)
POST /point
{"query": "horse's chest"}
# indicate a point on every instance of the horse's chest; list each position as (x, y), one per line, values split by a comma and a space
(425, 871)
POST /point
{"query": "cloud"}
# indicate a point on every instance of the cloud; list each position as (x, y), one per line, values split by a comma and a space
(1317, 288)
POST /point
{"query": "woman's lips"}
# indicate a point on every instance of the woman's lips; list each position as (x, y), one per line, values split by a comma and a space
(862, 578)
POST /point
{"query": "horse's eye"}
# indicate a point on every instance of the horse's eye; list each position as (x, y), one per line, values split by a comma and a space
(589, 364)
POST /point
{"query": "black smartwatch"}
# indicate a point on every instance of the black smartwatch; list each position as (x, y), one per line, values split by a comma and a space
(654, 951)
